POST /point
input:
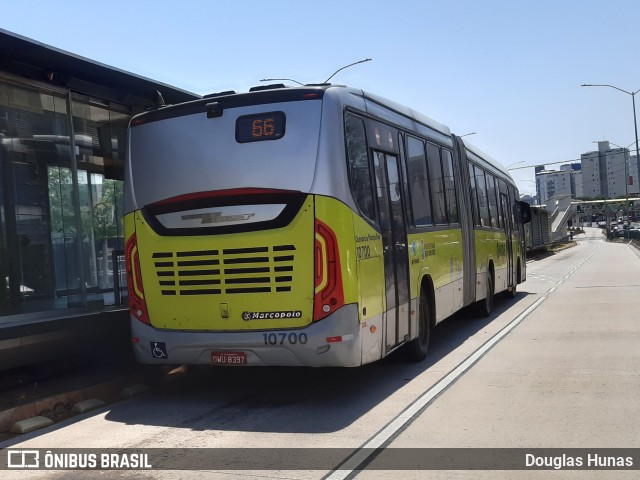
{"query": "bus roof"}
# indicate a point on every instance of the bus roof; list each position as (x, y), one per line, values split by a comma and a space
(488, 159)
(408, 112)
(280, 93)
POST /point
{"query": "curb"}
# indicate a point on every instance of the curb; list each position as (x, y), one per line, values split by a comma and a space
(46, 411)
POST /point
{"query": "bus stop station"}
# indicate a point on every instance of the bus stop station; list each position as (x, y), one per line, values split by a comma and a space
(63, 131)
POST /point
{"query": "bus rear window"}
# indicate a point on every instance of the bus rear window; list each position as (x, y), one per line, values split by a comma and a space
(263, 126)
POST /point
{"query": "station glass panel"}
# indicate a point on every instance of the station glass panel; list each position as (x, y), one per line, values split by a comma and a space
(53, 166)
(100, 144)
(38, 269)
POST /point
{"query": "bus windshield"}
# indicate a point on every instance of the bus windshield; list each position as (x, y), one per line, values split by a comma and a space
(270, 146)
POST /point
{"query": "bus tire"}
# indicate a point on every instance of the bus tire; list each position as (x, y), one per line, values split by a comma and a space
(419, 346)
(485, 306)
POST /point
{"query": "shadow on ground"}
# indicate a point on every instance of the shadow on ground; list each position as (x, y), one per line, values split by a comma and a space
(291, 400)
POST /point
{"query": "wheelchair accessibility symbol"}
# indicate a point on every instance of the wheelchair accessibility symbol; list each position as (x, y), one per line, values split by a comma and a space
(159, 350)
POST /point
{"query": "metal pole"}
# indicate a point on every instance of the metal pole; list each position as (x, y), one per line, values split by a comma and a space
(80, 262)
(625, 210)
(635, 124)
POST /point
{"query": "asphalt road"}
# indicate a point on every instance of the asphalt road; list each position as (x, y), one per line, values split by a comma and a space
(554, 368)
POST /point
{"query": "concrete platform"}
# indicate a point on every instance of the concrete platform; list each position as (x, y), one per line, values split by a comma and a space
(58, 367)
(36, 338)
(62, 388)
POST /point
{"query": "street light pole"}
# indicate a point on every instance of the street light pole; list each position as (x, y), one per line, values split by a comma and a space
(635, 122)
(635, 125)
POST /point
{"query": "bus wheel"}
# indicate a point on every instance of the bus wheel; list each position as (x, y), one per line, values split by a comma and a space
(417, 349)
(485, 306)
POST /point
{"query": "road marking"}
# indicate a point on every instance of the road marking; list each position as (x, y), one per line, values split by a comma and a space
(367, 451)
(363, 455)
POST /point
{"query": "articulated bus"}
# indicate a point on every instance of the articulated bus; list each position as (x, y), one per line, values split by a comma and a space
(308, 226)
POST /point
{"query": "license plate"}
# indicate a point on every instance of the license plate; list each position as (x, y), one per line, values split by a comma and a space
(228, 358)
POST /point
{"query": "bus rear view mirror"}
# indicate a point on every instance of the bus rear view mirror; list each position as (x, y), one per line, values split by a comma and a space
(525, 211)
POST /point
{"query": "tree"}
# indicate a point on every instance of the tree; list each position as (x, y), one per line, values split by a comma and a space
(100, 219)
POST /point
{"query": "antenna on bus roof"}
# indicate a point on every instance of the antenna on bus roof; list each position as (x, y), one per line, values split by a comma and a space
(323, 83)
(281, 79)
(346, 66)
(160, 99)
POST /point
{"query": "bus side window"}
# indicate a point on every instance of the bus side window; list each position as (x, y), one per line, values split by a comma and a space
(450, 186)
(474, 196)
(514, 206)
(483, 200)
(405, 181)
(492, 192)
(358, 163)
(437, 185)
(418, 183)
(504, 215)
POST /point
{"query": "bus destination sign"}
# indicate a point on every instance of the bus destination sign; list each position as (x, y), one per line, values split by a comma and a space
(263, 126)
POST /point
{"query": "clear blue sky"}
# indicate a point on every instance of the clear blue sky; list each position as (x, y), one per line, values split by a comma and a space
(509, 70)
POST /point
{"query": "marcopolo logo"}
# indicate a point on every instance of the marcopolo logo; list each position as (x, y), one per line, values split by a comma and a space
(271, 315)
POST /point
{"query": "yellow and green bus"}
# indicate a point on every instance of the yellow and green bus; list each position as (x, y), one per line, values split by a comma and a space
(309, 226)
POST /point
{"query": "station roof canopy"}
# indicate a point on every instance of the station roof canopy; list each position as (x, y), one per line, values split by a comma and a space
(23, 57)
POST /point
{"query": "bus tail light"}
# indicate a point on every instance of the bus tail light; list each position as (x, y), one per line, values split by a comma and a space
(137, 305)
(329, 291)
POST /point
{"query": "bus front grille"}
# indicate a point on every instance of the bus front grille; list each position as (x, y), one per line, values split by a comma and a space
(226, 271)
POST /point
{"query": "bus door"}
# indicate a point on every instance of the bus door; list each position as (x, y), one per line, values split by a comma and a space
(506, 216)
(394, 241)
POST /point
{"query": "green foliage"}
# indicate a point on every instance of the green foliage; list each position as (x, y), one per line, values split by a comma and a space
(99, 214)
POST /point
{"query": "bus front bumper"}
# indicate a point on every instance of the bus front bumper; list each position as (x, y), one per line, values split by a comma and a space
(335, 341)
